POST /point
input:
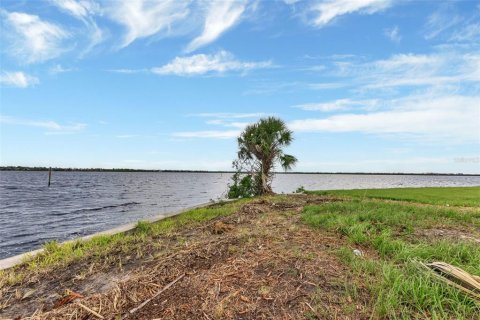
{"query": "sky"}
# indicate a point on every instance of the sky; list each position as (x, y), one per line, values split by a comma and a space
(365, 85)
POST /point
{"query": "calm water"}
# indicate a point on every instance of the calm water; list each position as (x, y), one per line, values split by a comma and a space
(82, 203)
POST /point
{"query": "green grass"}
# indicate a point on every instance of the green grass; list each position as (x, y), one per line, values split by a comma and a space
(453, 196)
(106, 248)
(401, 288)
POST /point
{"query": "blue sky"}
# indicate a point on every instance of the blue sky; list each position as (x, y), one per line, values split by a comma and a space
(366, 85)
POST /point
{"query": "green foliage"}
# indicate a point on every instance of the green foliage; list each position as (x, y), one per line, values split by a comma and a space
(260, 148)
(143, 227)
(450, 196)
(402, 290)
(300, 189)
(242, 187)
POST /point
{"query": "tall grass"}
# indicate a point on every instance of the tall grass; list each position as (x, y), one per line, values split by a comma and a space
(452, 196)
(401, 288)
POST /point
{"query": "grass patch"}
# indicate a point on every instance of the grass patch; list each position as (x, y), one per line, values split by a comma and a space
(452, 196)
(401, 289)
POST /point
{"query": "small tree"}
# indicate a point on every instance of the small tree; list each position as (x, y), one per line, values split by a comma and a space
(260, 148)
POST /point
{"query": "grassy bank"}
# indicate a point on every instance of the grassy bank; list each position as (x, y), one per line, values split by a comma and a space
(273, 257)
(453, 196)
(110, 247)
(397, 237)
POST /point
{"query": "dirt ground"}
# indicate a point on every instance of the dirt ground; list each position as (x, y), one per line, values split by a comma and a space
(260, 263)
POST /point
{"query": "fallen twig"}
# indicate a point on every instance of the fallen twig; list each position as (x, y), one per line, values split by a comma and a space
(153, 297)
(96, 314)
(67, 299)
(313, 310)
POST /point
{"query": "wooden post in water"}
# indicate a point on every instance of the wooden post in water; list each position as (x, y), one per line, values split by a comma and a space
(49, 176)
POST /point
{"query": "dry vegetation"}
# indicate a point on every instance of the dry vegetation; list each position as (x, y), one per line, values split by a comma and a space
(261, 262)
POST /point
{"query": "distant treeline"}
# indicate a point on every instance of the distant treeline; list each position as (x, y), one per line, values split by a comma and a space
(21, 168)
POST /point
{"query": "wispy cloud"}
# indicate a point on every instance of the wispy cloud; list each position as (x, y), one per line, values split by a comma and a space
(226, 123)
(411, 70)
(393, 34)
(228, 115)
(79, 9)
(44, 124)
(31, 38)
(338, 105)
(440, 20)
(200, 64)
(220, 16)
(448, 119)
(58, 68)
(17, 79)
(127, 136)
(325, 11)
(84, 10)
(210, 134)
(227, 120)
(145, 18)
(269, 88)
(468, 33)
(129, 71)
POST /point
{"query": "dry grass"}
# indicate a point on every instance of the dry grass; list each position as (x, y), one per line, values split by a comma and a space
(260, 263)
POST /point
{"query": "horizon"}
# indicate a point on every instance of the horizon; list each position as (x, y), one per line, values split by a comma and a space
(367, 86)
(91, 169)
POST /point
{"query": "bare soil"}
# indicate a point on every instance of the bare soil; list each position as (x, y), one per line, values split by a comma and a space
(434, 234)
(260, 263)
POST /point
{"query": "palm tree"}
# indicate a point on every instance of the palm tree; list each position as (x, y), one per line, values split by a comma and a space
(262, 143)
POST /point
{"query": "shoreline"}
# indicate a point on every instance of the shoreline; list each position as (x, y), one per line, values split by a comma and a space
(12, 261)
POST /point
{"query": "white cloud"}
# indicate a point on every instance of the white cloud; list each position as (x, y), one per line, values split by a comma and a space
(127, 136)
(212, 134)
(404, 164)
(325, 11)
(32, 39)
(226, 123)
(401, 70)
(228, 115)
(393, 34)
(128, 71)
(400, 61)
(84, 11)
(469, 33)
(48, 124)
(58, 68)
(439, 21)
(144, 18)
(437, 118)
(337, 105)
(326, 85)
(421, 70)
(228, 120)
(204, 63)
(17, 79)
(80, 9)
(220, 16)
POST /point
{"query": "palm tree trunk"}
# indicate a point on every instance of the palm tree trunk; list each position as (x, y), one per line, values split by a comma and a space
(266, 187)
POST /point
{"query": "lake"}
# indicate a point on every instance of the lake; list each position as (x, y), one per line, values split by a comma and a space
(82, 203)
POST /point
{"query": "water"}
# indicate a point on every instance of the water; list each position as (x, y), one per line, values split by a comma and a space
(82, 203)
